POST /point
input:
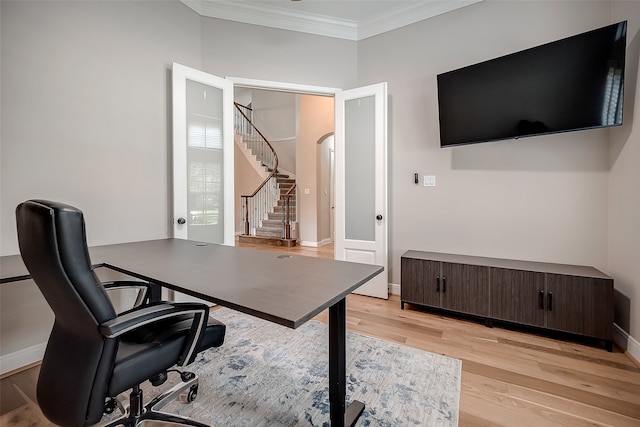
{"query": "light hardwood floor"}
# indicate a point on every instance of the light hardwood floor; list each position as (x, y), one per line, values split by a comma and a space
(509, 377)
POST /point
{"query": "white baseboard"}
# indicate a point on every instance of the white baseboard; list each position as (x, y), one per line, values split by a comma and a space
(18, 359)
(626, 342)
(394, 289)
(324, 242)
(315, 244)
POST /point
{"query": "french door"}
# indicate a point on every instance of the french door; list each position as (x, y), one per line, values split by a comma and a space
(203, 172)
(361, 181)
(203, 165)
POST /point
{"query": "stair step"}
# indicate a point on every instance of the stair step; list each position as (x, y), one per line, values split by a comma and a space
(279, 216)
(280, 205)
(275, 219)
(270, 241)
(272, 223)
(269, 231)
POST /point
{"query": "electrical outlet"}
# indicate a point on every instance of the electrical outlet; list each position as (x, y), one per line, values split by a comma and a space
(429, 180)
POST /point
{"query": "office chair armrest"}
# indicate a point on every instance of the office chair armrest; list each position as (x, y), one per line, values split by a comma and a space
(144, 289)
(136, 318)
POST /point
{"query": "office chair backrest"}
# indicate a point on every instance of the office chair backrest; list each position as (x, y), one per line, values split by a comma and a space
(74, 372)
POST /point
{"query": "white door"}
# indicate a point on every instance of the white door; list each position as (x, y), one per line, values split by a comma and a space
(361, 187)
(203, 194)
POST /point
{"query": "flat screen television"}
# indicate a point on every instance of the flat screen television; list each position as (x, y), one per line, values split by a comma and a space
(571, 84)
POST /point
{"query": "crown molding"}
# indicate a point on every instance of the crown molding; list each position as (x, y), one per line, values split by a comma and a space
(412, 13)
(275, 17)
(283, 18)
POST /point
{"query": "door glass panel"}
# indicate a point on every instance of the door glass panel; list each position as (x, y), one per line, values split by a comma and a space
(359, 174)
(205, 182)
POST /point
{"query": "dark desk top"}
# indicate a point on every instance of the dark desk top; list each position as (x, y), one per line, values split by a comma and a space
(12, 269)
(285, 289)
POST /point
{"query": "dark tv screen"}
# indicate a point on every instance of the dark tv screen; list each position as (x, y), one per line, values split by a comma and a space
(567, 85)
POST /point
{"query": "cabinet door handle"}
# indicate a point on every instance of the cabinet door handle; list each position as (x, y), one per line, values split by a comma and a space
(438, 284)
(541, 300)
(444, 284)
(550, 301)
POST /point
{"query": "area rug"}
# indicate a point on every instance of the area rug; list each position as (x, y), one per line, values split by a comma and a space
(270, 375)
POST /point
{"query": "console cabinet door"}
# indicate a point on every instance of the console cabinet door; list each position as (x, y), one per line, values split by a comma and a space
(411, 281)
(517, 296)
(465, 288)
(582, 305)
(419, 281)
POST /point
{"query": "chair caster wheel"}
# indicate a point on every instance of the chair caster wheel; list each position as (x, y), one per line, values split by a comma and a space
(110, 405)
(192, 394)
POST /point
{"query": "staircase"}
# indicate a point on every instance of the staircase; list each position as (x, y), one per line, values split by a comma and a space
(271, 230)
(268, 213)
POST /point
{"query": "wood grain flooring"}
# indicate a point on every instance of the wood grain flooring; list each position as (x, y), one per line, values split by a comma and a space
(509, 377)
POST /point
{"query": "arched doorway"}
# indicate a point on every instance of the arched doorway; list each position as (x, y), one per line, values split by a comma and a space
(325, 192)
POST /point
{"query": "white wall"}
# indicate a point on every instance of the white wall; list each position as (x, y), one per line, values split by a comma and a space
(275, 115)
(325, 191)
(624, 196)
(84, 111)
(540, 198)
(262, 53)
(246, 180)
(554, 198)
(316, 121)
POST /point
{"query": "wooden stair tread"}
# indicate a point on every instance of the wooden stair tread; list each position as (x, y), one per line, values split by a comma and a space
(269, 241)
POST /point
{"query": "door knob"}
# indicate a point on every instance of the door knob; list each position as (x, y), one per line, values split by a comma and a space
(181, 221)
(379, 217)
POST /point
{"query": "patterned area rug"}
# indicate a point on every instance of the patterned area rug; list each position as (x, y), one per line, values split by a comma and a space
(270, 375)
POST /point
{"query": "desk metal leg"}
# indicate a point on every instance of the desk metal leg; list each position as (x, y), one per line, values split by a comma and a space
(156, 292)
(339, 413)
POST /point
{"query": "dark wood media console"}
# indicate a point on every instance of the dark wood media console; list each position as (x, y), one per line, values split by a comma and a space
(565, 298)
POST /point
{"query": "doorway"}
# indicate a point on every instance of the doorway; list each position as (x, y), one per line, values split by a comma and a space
(326, 189)
(360, 122)
(300, 128)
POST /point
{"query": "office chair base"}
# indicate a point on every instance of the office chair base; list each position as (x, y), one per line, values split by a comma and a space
(136, 414)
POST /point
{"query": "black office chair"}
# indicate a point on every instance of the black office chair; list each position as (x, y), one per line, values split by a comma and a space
(94, 354)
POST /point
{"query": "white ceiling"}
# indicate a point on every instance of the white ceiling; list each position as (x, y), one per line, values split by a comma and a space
(346, 19)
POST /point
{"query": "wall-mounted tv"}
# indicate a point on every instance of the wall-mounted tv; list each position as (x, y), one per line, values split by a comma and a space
(571, 84)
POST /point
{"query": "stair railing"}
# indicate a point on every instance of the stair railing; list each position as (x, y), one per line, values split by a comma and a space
(255, 140)
(257, 206)
(287, 218)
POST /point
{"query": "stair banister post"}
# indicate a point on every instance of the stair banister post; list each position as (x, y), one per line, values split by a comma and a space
(245, 212)
(287, 218)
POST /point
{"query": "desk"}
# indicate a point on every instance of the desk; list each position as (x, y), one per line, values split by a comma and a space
(284, 289)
